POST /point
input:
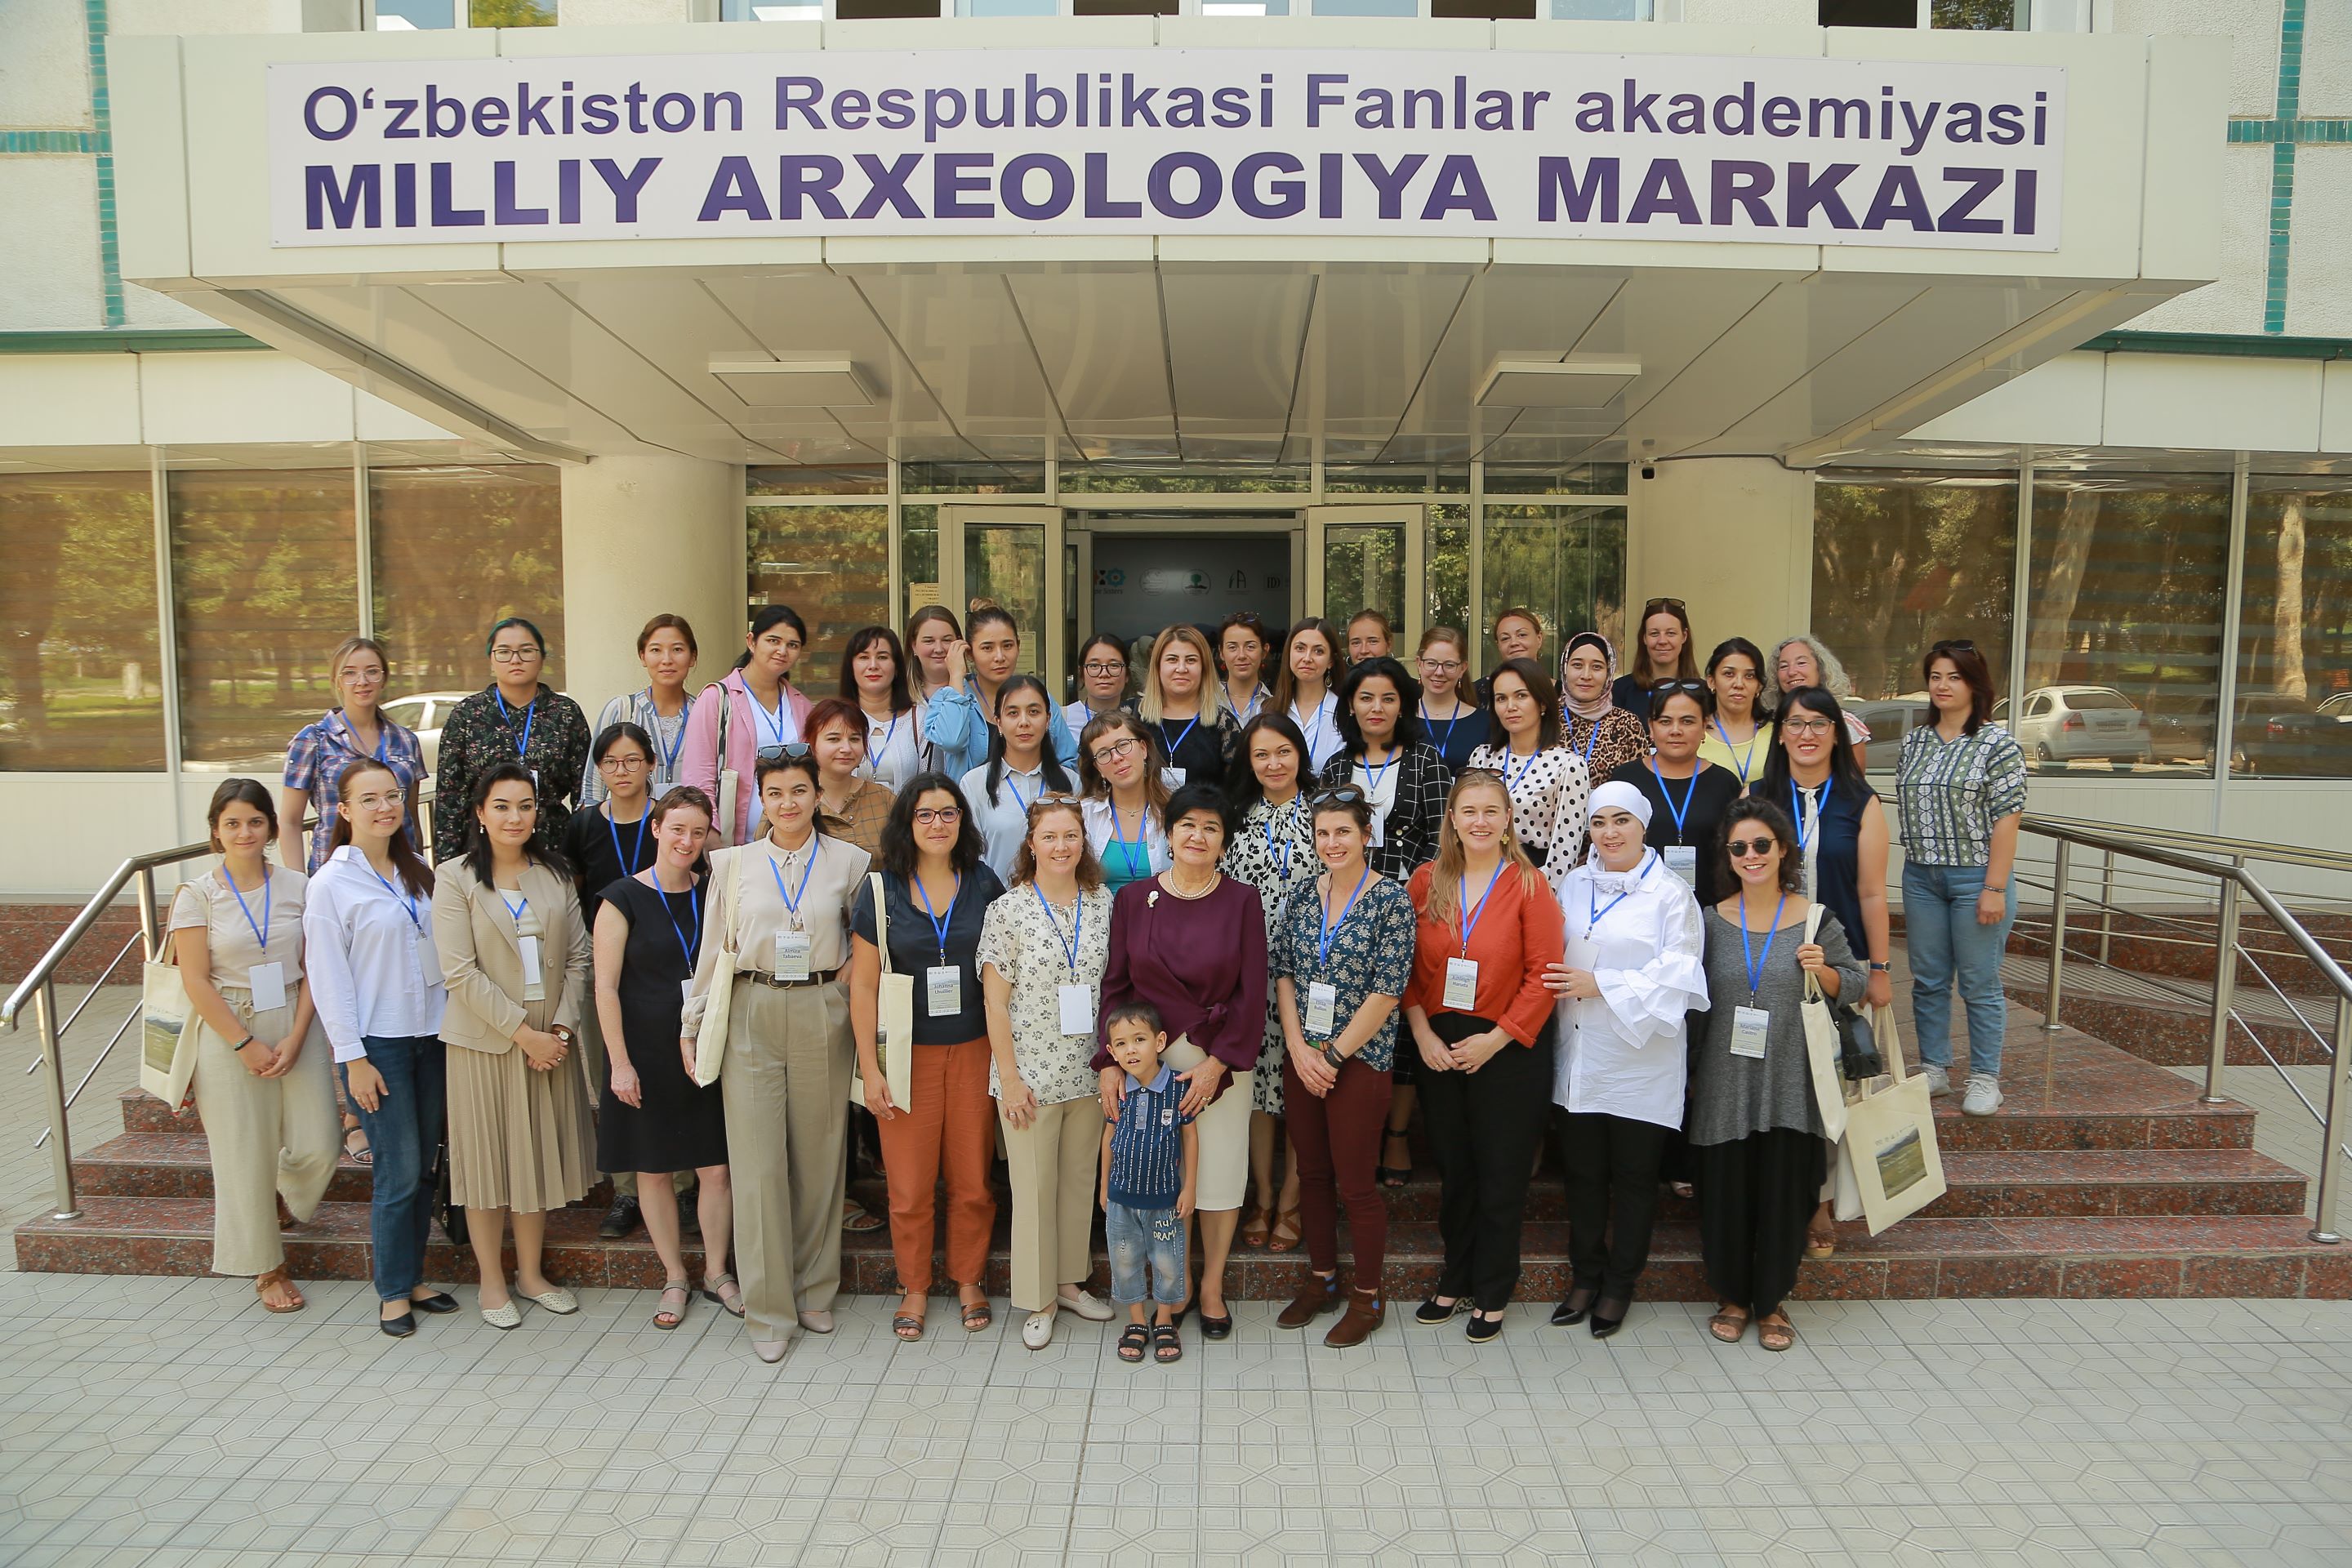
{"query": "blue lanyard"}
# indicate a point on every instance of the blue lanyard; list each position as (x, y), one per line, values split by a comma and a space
(1281, 863)
(1590, 740)
(1593, 916)
(1180, 740)
(629, 866)
(1739, 762)
(693, 950)
(792, 899)
(1025, 805)
(1682, 812)
(939, 921)
(1069, 948)
(1510, 779)
(406, 901)
(1755, 965)
(269, 891)
(1308, 728)
(1137, 861)
(1257, 702)
(669, 758)
(1446, 739)
(874, 758)
(514, 912)
(1471, 923)
(383, 733)
(777, 718)
(530, 717)
(1797, 809)
(1330, 927)
(1373, 776)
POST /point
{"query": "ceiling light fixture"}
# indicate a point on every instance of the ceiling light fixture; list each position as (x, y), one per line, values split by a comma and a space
(1580, 381)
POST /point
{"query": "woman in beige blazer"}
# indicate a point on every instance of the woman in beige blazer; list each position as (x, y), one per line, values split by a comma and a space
(515, 954)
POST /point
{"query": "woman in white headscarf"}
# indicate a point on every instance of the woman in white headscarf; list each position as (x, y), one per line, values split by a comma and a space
(1631, 970)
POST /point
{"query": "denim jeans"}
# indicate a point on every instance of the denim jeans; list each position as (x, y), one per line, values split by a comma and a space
(1944, 942)
(1135, 1234)
(404, 1131)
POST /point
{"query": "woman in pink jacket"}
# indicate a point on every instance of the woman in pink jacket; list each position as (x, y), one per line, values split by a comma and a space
(757, 710)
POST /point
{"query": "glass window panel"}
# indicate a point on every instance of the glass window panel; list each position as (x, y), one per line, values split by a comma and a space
(1363, 569)
(1601, 10)
(2127, 576)
(1096, 479)
(1565, 564)
(1245, 7)
(1555, 479)
(82, 685)
(1367, 8)
(510, 12)
(972, 479)
(456, 550)
(1449, 568)
(1004, 563)
(2294, 716)
(265, 580)
(1978, 16)
(1380, 478)
(831, 563)
(411, 15)
(802, 480)
(1008, 8)
(919, 560)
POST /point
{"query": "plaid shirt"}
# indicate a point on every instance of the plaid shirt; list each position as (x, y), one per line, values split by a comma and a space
(861, 821)
(1409, 836)
(317, 756)
(1949, 793)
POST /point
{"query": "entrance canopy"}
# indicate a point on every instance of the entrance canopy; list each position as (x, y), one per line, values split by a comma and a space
(758, 267)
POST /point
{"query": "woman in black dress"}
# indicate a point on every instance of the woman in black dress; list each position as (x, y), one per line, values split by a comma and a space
(654, 1119)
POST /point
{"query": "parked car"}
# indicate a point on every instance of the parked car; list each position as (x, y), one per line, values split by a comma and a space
(2075, 723)
(425, 713)
(2278, 736)
(1890, 719)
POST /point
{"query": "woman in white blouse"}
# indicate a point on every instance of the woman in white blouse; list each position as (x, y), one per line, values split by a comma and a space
(1548, 783)
(1126, 798)
(1632, 971)
(261, 1082)
(1303, 691)
(874, 675)
(367, 945)
(1042, 954)
(1021, 766)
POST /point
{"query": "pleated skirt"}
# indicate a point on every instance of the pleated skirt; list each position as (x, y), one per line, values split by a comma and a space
(518, 1139)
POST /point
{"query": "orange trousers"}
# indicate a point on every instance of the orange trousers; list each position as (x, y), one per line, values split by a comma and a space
(953, 1131)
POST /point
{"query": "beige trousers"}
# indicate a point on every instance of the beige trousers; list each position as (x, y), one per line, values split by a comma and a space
(785, 1085)
(269, 1136)
(1054, 1165)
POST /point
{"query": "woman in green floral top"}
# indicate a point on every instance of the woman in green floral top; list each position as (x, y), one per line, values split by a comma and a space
(516, 718)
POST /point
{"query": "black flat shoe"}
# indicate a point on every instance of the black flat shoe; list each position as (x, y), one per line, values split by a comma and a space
(1481, 1329)
(1604, 1327)
(1573, 1312)
(399, 1327)
(1431, 1313)
(1216, 1328)
(439, 1301)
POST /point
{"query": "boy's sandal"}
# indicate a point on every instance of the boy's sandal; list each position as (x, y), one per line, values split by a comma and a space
(859, 1220)
(1132, 1341)
(723, 1290)
(1727, 1324)
(908, 1326)
(977, 1315)
(1255, 1228)
(670, 1317)
(1776, 1333)
(1287, 1232)
(278, 1276)
(1167, 1344)
(363, 1154)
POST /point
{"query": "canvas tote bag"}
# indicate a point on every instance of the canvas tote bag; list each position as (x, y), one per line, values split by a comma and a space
(167, 1055)
(1822, 1052)
(1889, 1166)
(710, 1043)
(894, 1021)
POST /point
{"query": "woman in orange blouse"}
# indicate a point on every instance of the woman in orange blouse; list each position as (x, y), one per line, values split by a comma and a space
(1483, 1021)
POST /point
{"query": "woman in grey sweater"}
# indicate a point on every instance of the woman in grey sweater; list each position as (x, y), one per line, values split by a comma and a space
(1756, 1133)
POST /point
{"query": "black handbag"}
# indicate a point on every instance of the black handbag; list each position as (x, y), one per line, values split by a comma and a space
(1858, 1054)
(450, 1215)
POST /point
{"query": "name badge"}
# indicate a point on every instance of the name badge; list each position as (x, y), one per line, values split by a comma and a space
(792, 950)
(686, 990)
(1322, 1005)
(1168, 1116)
(943, 986)
(1748, 1027)
(1077, 1009)
(1461, 983)
(534, 988)
(1682, 860)
(1173, 778)
(267, 983)
(1379, 825)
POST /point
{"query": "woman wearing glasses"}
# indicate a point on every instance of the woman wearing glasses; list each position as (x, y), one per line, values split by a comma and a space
(1182, 700)
(1126, 799)
(1801, 661)
(1603, 735)
(355, 727)
(1020, 767)
(666, 648)
(1242, 642)
(1665, 655)
(962, 715)
(519, 718)
(1274, 851)
(1102, 682)
(1734, 738)
(1454, 726)
(1547, 782)
(1042, 951)
(1311, 659)
(754, 712)
(936, 892)
(874, 677)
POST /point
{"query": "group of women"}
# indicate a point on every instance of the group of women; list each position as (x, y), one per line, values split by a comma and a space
(1558, 897)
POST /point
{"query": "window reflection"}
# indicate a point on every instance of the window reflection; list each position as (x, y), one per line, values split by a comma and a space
(457, 548)
(1363, 569)
(832, 565)
(1566, 562)
(82, 682)
(2294, 708)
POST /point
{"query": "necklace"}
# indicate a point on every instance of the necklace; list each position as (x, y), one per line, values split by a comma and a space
(1168, 881)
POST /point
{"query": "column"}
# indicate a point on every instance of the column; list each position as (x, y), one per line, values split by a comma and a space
(1730, 537)
(642, 535)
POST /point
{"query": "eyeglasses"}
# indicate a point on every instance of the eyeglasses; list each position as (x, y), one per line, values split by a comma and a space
(1954, 644)
(1054, 798)
(1440, 665)
(1104, 666)
(1740, 846)
(1106, 755)
(942, 815)
(514, 655)
(1346, 794)
(1806, 726)
(376, 802)
(784, 748)
(621, 764)
(1655, 605)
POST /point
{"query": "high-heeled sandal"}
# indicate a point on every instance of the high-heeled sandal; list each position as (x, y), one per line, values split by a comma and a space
(1255, 1228)
(1393, 1176)
(1287, 1223)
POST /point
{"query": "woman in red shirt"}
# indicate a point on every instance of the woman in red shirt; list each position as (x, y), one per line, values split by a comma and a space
(1483, 1021)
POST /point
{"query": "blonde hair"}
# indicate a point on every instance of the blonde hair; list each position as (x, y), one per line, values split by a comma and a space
(1438, 902)
(344, 650)
(1212, 699)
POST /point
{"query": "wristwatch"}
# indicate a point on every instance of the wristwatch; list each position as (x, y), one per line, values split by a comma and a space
(1882, 969)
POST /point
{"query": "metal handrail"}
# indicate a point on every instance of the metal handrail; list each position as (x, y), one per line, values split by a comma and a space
(2234, 882)
(2207, 842)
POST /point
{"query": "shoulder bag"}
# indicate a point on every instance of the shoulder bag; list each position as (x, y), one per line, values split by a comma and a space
(1821, 1051)
(1889, 1166)
(894, 1015)
(711, 1040)
(167, 1058)
(729, 781)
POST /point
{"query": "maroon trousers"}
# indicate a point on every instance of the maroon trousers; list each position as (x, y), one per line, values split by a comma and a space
(1337, 1138)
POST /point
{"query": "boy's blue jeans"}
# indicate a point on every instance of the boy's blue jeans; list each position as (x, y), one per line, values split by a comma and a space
(1136, 1236)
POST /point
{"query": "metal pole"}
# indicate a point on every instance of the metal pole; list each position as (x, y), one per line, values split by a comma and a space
(2331, 1153)
(2225, 990)
(44, 1019)
(147, 924)
(2107, 903)
(2057, 938)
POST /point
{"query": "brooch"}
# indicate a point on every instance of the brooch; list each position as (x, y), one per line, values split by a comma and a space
(1152, 899)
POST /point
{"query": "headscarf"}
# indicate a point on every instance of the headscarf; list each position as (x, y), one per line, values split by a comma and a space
(1600, 705)
(1621, 797)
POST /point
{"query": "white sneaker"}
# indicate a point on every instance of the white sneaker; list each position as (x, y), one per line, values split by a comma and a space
(1983, 1095)
(1092, 1308)
(1038, 1331)
(1939, 1081)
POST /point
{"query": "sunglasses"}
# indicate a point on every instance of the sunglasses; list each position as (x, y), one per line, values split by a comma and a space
(1346, 794)
(777, 752)
(1655, 605)
(1740, 846)
(1694, 685)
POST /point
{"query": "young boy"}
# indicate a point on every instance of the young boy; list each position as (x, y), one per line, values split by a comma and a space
(1151, 1156)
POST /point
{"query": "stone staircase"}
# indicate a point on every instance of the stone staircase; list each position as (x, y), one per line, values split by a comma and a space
(2102, 1175)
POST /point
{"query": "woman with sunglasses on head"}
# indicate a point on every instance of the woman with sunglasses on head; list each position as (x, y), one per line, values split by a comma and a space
(665, 647)
(1021, 768)
(936, 892)
(653, 1120)
(932, 632)
(1665, 655)
(1734, 738)
(753, 713)
(1605, 736)
(1481, 1021)
(784, 1069)
(1548, 783)
(1044, 948)
(1687, 793)
(1191, 942)
(1802, 660)
(515, 956)
(1755, 1129)
(519, 718)
(1126, 798)
(1311, 660)
(1454, 725)
(874, 677)
(1274, 851)
(1242, 644)
(1102, 682)
(1183, 701)
(1960, 785)
(851, 806)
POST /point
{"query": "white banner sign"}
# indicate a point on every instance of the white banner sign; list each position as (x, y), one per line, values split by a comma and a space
(1945, 156)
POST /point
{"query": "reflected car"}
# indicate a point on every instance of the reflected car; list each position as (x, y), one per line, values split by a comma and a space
(425, 712)
(1890, 719)
(2279, 736)
(2079, 723)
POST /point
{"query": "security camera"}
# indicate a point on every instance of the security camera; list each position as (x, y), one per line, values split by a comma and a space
(1649, 471)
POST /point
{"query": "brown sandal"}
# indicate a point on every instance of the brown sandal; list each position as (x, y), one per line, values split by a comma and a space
(1287, 1225)
(279, 1275)
(1727, 1324)
(1775, 1333)
(1255, 1228)
(977, 1315)
(1821, 1244)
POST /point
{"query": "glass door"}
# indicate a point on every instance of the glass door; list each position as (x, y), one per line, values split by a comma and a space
(1012, 556)
(1367, 558)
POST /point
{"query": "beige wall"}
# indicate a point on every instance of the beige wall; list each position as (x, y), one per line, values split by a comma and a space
(1730, 537)
(642, 536)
